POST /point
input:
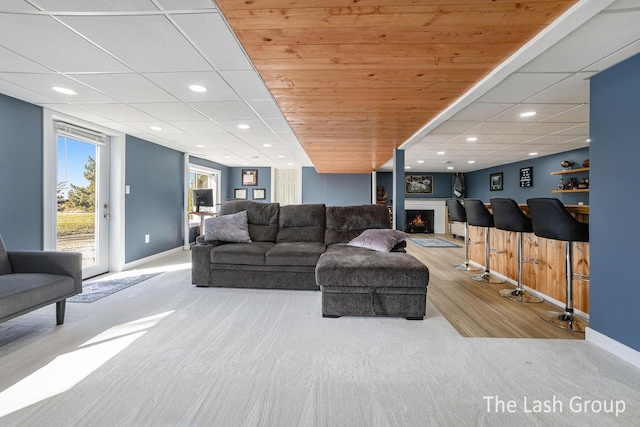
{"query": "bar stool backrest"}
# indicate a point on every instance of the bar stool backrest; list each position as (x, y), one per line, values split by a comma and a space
(552, 220)
(507, 215)
(456, 210)
(477, 213)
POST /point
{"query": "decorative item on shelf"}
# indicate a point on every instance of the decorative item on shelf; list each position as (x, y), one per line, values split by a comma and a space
(566, 164)
(561, 184)
(585, 164)
(583, 184)
(570, 184)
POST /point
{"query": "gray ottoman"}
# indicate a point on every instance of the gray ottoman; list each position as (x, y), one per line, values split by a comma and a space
(361, 282)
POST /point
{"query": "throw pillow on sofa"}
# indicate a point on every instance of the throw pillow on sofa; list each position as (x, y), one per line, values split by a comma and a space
(233, 228)
(379, 239)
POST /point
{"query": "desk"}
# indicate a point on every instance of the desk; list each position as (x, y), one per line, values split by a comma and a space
(202, 216)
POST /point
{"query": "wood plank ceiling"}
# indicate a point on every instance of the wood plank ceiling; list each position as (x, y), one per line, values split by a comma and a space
(356, 78)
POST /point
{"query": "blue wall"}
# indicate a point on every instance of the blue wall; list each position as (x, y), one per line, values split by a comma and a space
(335, 189)
(21, 152)
(224, 173)
(155, 205)
(477, 182)
(615, 147)
(235, 182)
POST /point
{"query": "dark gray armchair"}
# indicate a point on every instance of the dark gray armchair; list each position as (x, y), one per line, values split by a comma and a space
(32, 279)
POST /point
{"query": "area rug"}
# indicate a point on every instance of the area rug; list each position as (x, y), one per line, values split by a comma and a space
(433, 242)
(96, 290)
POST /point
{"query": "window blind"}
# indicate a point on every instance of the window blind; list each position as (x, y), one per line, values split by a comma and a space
(78, 132)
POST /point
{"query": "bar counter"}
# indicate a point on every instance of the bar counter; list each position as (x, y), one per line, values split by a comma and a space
(547, 276)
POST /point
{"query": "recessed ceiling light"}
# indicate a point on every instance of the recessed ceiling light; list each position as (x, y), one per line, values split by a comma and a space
(449, 167)
(420, 161)
(589, 140)
(198, 88)
(157, 128)
(244, 126)
(199, 145)
(440, 152)
(289, 164)
(407, 167)
(471, 161)
(528, 114)
(64, 90)
(227, 157)
(533, 154)
(281, 157)
(472, 138)
(266, 145)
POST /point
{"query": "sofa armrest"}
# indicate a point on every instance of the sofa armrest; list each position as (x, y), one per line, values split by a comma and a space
(49, 262)
(201, 263)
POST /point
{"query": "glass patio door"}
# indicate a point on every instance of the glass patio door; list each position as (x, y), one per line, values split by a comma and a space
(82, 219)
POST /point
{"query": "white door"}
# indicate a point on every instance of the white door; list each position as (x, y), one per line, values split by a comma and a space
(287, 186)
(82, 219)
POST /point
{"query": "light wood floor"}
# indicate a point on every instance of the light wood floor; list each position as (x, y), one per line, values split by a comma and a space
(476, 309)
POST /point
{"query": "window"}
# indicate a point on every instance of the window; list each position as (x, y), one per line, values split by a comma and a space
(202, 178)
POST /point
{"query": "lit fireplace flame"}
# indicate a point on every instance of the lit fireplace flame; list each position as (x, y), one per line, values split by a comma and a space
(417, 220)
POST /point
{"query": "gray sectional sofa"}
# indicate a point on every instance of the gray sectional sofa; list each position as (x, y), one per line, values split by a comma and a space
(33, 279)
(312, 247)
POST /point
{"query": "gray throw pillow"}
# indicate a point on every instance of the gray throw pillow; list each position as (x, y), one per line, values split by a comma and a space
(5, 265)
(379, 239)
(228, 228)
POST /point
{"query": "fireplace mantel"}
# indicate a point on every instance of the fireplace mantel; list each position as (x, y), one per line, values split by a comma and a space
(438, 208)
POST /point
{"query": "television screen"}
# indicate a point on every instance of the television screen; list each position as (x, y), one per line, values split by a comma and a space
(202, 197)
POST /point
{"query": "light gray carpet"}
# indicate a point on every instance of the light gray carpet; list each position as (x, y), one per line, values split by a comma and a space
(165, 353)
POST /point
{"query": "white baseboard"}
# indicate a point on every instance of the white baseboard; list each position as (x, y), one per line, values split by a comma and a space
(612, 346)
(141, 261)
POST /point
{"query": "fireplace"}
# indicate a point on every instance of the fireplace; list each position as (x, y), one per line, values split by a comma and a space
(418, 221)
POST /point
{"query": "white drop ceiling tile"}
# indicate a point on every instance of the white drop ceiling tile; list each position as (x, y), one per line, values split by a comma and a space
(43, 83)
(225, 110)
(615, 58)
(186, 4)
(170, 111)
(74, 111)
(512, 139)
(185, 139)
(543, 128)
(248, 83)
(481, 111)
(520, 86)
(543, 111)
(118, 112)
(586, 45)
(258, 138)
(454, 127)
(227, 141)
(232, 126)
(178, 84)
(576, 114)
(572, 90)
(17, 6)
(96, 5)
(436, 137)
(146, 127)
(19, 92)
(266, 108)
(215, 40)
(126, 88)
(495, 128)
(199, 127)
(581, 129)
(288, 138)
(278, 125)
(158, 45)
(61, 49)
(549, 140)
(12, 62)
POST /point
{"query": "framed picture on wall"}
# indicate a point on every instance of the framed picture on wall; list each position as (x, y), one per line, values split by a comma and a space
(249, 177)
(240, 193)
(259, 194)
(526, 177)
(495, 181)
(418, 184)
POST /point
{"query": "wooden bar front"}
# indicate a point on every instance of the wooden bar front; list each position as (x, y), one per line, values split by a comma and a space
(546, 277)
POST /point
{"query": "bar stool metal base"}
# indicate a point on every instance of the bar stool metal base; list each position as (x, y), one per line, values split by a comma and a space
(520, 295)
(466, 267)
(565, 320)
(487, 277)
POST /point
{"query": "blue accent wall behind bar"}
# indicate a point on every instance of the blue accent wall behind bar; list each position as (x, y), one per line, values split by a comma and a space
(21, 151)
(335, 189)
(477, 182)
(615, 147)
(155, 205)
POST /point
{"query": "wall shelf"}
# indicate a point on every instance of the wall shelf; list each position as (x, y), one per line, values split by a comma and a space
(577, 190)
(568, 171)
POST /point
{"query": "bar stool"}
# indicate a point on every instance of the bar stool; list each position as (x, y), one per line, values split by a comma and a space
(552, 220)
(478, 215)
(457, 213)
(508, 216)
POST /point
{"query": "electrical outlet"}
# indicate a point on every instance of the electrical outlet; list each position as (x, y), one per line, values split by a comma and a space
(146, 238)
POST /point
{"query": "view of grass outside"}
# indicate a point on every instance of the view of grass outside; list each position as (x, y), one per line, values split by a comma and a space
(76, 223)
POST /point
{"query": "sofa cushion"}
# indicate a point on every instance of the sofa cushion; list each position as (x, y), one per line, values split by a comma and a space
(262, 218)
(345, 223)
(5, 265)
(241, 253)
(21, 291)
(301, 223)
(379, 239)
(295, 253)
(228, 228)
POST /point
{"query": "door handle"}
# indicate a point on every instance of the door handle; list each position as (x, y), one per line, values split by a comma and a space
(107, 216)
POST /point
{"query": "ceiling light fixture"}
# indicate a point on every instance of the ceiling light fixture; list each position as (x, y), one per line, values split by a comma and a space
(528, 114)
(420, 161)
(64, 90)
(156, 128)
(533, 154)
(281, 157)
(471, 161)
(199, 145)
(244, 127)
(450, 167)
(472, 139)
(198, 88)
(266, 145)
(407, 167)
(440, 153)
(588, 139)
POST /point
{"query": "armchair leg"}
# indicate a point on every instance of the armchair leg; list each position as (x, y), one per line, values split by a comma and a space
(60, 307)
